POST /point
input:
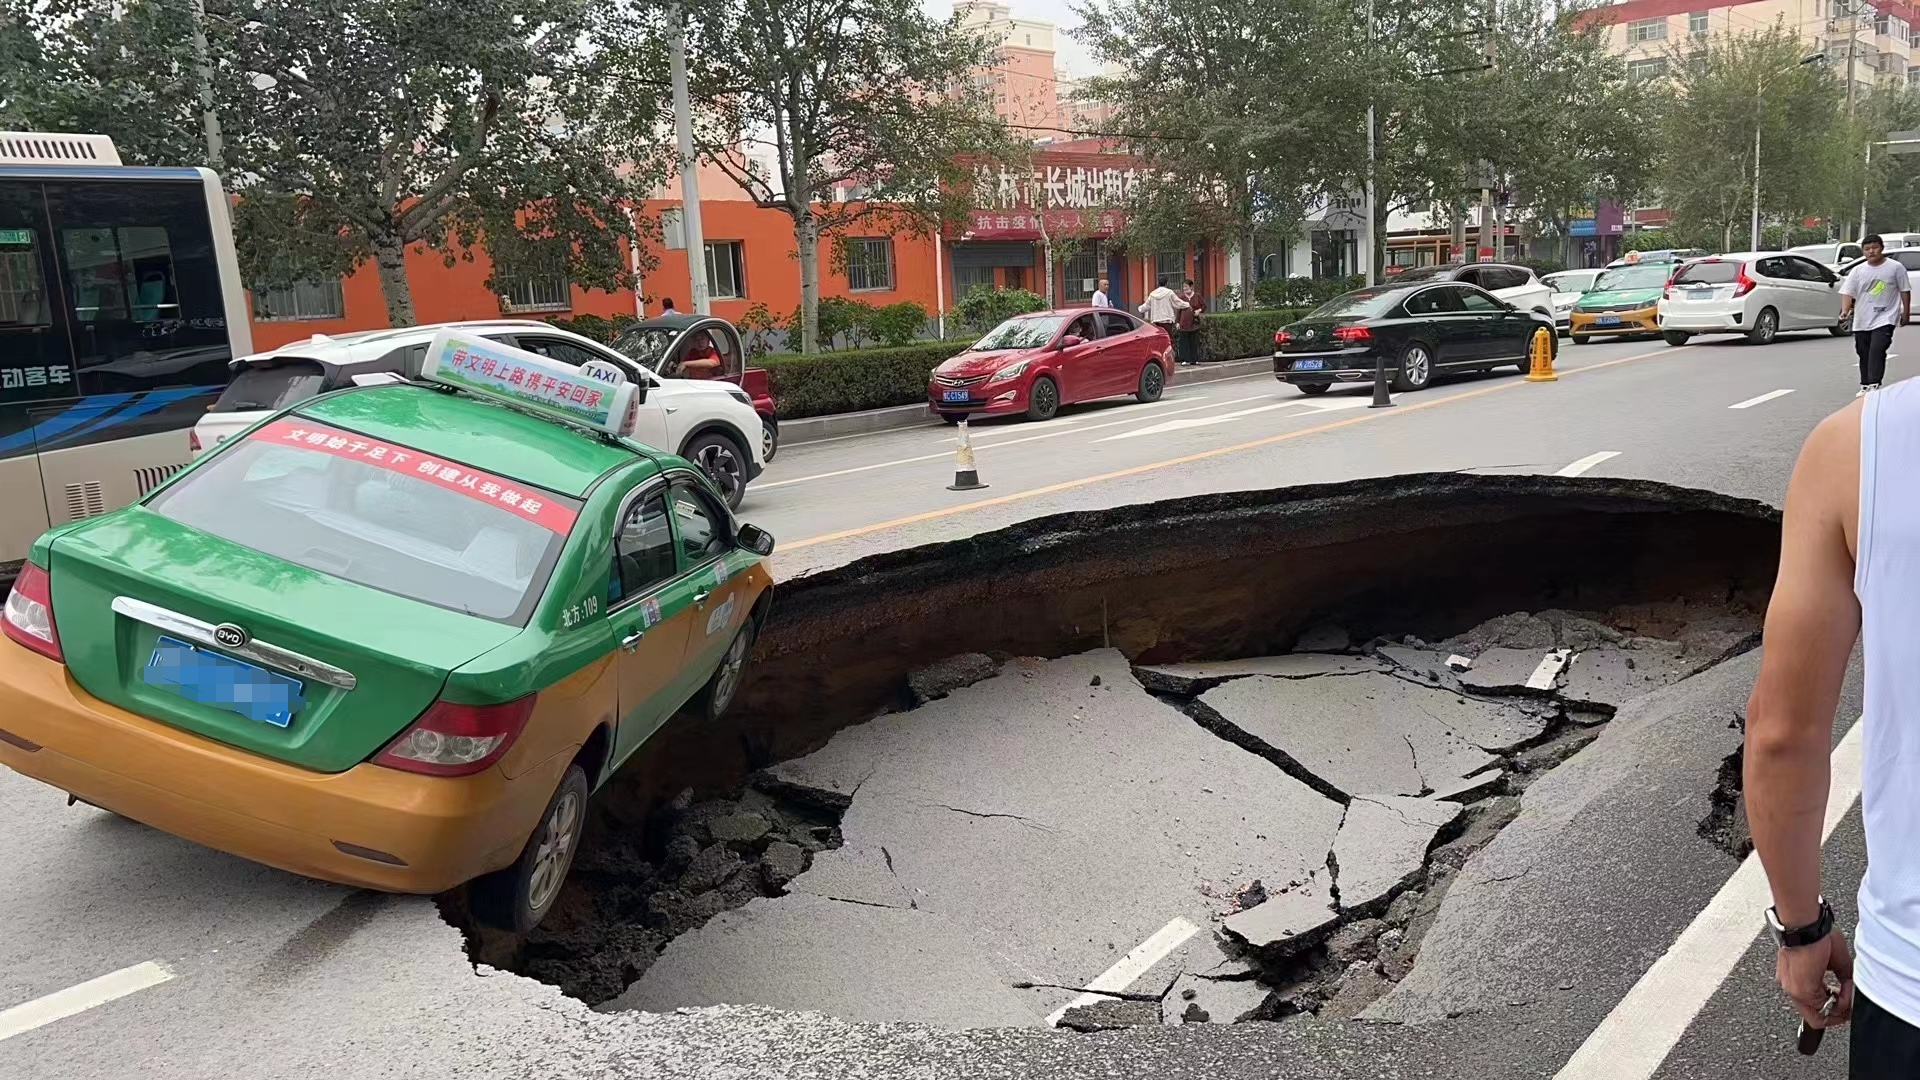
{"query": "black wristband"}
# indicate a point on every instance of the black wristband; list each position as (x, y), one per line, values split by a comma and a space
(1798, 936)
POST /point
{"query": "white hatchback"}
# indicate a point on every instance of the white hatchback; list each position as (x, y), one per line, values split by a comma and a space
(1754, 294)
(713, 424)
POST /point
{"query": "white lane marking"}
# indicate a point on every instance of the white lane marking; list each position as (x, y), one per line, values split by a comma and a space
(1588, 462)
(1761, 400)
(1053, 434)
(1548, 669)
(1197, 422)
(93, 993)
(1636, 1037)
(1131, 966)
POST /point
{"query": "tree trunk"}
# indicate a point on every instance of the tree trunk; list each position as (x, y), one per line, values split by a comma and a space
(390, 258)
(1249, 269)
(806, 241)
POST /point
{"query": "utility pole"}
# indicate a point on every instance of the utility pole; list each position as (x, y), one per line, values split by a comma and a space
(1368, 279)
(203, 73)
(1853, 39)
(689, 164)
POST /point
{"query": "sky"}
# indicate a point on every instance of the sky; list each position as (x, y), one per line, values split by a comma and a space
(1068, 52)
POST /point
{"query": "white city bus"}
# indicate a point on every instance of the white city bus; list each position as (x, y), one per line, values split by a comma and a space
(120, 306)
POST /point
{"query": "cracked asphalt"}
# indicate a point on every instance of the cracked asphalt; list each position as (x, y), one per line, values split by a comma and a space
(275, 976)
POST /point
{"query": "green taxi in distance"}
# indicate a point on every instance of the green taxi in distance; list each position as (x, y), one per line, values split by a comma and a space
(392, 637)
(1625, 300)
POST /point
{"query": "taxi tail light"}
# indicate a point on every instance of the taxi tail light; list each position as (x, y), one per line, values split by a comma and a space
(452, 739)
(29, 617)
(1352, 334)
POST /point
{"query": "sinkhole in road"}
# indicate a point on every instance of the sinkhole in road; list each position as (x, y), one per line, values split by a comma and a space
(1197, 761)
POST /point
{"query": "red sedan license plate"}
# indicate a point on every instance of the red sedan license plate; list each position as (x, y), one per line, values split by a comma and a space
(953, 395)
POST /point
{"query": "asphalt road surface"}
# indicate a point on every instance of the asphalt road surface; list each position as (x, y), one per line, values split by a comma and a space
(129, 953)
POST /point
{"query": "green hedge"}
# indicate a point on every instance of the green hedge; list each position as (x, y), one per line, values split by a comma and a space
(849, 380)
(1236, 335)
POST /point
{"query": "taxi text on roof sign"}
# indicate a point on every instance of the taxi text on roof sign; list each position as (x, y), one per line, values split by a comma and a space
(530, 381)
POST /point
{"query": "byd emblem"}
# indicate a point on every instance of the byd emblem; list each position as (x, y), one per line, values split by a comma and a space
(229, 636)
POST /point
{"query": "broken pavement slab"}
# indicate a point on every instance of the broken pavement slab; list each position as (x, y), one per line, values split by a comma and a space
(1383, 845)
(1515, 671)
(1190, 679)
(1611, 677)
(854, 961)
(1369, 733)
(1196, 999)
(1288, 921)
(1052, 824)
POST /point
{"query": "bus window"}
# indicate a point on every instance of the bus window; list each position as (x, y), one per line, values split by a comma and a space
(143, 290)
(23, 291)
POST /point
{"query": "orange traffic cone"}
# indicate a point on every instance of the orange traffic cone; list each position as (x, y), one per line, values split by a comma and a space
(1542, 353)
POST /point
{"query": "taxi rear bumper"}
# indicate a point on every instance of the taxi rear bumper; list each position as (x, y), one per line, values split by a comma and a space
(369, 826)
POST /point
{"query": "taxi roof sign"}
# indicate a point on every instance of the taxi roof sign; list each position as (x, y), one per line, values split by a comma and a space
(529, 381)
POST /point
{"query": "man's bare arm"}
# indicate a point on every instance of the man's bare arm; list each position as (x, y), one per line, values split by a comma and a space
(1812, 622)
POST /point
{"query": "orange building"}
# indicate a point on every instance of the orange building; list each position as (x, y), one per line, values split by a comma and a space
(1061, 210)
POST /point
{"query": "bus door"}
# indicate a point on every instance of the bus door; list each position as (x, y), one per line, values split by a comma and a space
(36, 368)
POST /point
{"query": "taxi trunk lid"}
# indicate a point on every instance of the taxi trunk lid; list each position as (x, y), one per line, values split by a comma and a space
(397, 652)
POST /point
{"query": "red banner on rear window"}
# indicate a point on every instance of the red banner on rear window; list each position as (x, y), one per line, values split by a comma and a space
(535, 506)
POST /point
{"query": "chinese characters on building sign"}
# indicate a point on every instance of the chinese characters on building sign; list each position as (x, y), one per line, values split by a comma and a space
(472, 483)
(1054, 186)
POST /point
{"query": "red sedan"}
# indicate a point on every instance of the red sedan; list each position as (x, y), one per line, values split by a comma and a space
(1034, 364)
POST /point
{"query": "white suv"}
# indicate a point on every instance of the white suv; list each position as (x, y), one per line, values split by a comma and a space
(712, 424)
(1756, 294)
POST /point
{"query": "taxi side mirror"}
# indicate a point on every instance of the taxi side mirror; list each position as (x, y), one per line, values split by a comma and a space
(755, 539)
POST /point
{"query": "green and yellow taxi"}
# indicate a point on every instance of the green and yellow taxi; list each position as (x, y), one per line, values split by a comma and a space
(393, 637)
(1624, 300)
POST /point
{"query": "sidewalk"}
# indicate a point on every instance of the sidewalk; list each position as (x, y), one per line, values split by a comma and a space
(815, 428)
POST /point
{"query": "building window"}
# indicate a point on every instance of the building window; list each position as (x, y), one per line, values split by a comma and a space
(1170, 266)
(1650, 68)
(1697, 22)
(1646, 30)
(1082, 272)
(305, 300)
(1334, 252)
(870, 264)
(726, 273)
(546, 292)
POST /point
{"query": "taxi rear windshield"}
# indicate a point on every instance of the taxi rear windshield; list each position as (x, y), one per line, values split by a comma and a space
(381, 515)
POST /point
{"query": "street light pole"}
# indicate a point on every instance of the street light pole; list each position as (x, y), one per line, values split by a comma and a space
(1759, 118)
(689, 164)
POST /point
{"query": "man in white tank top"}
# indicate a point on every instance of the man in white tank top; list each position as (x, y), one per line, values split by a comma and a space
(1849, 568)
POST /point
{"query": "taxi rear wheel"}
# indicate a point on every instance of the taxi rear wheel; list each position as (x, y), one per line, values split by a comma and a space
(517, 898)
(718, 694)
(725, 463)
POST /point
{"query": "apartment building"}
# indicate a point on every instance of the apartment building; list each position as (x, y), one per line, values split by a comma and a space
(1031, 91)
(1875, 38)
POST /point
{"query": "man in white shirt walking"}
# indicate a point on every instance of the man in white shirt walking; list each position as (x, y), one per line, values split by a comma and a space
(1848, 569)
(1878, 296)
(1100, 295)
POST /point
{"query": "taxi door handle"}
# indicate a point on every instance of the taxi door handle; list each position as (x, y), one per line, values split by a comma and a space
(632, 640)
(701, 596)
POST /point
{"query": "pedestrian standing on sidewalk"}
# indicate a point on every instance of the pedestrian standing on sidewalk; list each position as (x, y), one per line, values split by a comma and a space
(1878, 296)
(1187, 323)
(1100, 298)
(1848, 570)
(1162, 306)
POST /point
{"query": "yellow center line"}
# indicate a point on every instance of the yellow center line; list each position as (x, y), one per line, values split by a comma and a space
(1187, 459)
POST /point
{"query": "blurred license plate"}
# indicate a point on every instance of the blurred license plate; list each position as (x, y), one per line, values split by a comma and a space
(1309, 365)
(1607, 320)
(210, 678)
(953, 395)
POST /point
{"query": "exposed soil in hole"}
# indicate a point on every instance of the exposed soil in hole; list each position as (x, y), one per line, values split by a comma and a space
(1673, 582)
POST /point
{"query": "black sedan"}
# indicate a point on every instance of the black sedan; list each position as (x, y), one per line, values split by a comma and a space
(1415, 331)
